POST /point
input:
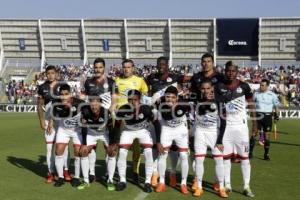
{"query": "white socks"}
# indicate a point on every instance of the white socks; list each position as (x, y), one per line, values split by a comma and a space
(66, 158)
(77, 167)
(122, 165)
(111, 167)
(50, 157)
(199, 169)
(92, 161)
(246, 171)
(162, 165)
(219, 170)
(59, 164)
(155, 160)
(148, 164)
(227, 171)
(184, 166)
(85, 168)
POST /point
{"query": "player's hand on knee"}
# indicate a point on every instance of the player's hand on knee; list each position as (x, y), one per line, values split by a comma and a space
(43, 125)
(160, 148)
(220, 147)
(49, 128)
(112, 150)
(84, 150)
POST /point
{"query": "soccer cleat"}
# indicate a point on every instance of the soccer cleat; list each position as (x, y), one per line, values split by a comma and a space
(184, 189)
(50, 178)
(267, 157)
(110, 186)
(247, 192)
(83, 185)
(75, 182)
(154, 179)
(195, 183)
(67, 176)
(222, 193)
(172, 180)
(160, 188)
(136, 178)
(198, 192)
(121, 186)
(228, 187)
(216, 187)
(92, 178)
(59, 182)
(147, 188)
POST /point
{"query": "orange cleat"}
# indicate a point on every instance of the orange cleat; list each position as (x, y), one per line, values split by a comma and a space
(160, 188)
(50, 178)
(222, 193)
(173, 180)
(195, 183)
(154, 179)
(184, 189)
(216, 187)
(198, 192)
(67, 176)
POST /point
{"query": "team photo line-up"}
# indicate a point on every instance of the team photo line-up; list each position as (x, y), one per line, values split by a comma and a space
(158, 116)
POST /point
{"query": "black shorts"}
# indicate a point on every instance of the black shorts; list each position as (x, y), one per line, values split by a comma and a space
(265, 121)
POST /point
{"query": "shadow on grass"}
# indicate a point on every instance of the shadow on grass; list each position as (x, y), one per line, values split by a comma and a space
(37, 167)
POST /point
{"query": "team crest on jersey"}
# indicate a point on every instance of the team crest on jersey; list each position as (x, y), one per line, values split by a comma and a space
(73, 109)
(179, 112)
(105, 85)
(141, 116)
(239, 90)
(169, 79)
(213, 106)
(214, 80)
(100, 120)
(134, 84)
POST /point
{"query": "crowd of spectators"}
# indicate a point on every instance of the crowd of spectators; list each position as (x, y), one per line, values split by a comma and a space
(285, 80)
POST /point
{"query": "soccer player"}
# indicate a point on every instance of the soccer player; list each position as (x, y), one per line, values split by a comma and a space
(137, 119)
(266, 101)
(158, 83)
(65, 115)
(46, 94)
(209, 129)
(96, 125)
(208, 72)
(99, 85)
(172, 116)
(237, 95)
(128, 81)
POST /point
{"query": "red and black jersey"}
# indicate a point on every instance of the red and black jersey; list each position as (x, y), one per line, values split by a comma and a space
(92, 87)
(48, 93)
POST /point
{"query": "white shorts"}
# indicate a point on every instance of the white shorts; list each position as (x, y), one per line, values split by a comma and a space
(50, 138)
(178, 134)
(64, 135)
(206, 138)
(236, 141)
(93, 137)
(143, 135)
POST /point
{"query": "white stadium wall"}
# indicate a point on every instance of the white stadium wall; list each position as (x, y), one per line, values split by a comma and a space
(63, 41)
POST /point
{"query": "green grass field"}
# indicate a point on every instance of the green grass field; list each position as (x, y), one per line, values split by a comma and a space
(23, 168)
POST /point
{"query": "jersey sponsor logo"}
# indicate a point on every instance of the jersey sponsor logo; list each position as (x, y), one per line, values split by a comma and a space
(100, 120)
(71, 122)
(224, 90)
(92, 85)
(45, 91)
(239, 90)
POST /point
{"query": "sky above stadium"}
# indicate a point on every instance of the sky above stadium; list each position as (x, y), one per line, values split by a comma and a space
(148, 8)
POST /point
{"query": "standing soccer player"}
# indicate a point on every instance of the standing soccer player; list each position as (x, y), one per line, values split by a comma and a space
(65, 115)
(137, 119)
(96, 125)
(158, 83)
(209, 129)
(128, 81)
(172, 116)
(265, 101)
(237, 95)
(46, 94)
(103, 86)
